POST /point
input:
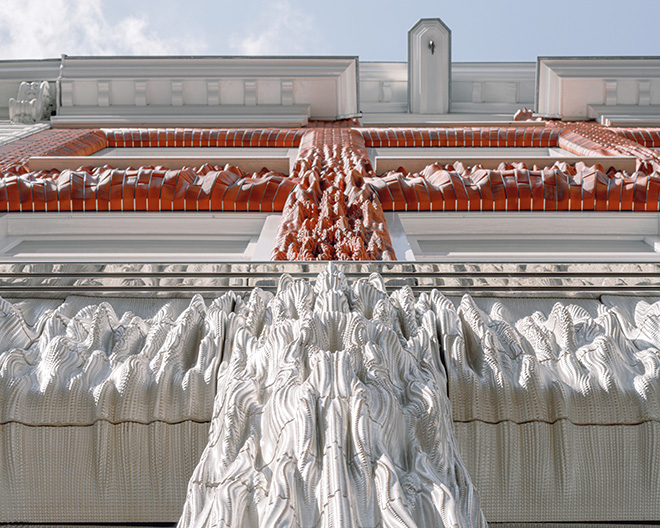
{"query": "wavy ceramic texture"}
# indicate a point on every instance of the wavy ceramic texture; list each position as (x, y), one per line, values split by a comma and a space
(205, 188)
(556, 405)
(332, 411)
(332, 399)
(106, 405)
(65, 368)
(589, 365)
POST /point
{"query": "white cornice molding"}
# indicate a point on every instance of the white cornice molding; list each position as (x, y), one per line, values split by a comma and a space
(164, 116)
(191, 67)
(222, 91)
(626, 115)
(568, 86)
(520, 236)
(286, 91)
(384, 71)
(29, 70)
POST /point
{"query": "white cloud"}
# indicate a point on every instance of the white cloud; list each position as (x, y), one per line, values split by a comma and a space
(48, 28)
(281, 29)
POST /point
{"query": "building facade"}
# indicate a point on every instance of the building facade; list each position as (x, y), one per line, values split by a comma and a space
(317, 291)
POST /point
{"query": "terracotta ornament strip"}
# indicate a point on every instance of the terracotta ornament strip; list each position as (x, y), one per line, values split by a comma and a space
(649, 137)
(460, 137)
(514, 187)
(592, 139)
(333, 203)
(332, 214)
(206, 188)
(199, 137)
(80, 142)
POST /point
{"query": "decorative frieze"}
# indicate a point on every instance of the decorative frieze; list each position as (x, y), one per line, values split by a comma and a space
(287, 93)
(177, 93)
(487, 88)
(103, 90)
(250, 93)
(140, 94)
(213, 92)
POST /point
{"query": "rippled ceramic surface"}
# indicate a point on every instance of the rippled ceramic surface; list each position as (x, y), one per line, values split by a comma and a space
(332, 411)
(556, 404)
(106, 404)
(331, 386)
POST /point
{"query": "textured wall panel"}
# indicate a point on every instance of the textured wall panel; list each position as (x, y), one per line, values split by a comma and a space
(100, 473)
(556, 405)
(557, 362)
(540, 472)
(330, 407)
(332, 411)
(106, 404)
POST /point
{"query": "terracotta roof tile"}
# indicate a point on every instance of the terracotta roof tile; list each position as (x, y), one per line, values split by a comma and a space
(337, 123)
(592, 139)
(80, 142)
(648, 137)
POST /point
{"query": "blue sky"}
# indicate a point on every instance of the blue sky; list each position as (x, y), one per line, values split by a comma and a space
(505, 30)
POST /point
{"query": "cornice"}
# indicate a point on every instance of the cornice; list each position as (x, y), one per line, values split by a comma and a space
(205, 91)
(191, 67)
(190, 116)
(570, 87)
